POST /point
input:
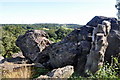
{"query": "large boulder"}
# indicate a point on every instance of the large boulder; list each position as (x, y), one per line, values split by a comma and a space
(72, 50)
(32, 43)
(64, 72)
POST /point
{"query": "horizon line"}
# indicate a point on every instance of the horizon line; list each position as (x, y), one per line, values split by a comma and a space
(42, 23)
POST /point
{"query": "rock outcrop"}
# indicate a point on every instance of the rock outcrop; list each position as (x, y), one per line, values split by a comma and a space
(113, 37)
(73, 49)
(32, 43)
(64, 72)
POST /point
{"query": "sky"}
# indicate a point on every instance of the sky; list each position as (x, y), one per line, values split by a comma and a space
(54, 11)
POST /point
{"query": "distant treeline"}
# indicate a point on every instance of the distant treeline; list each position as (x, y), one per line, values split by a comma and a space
(44, 25)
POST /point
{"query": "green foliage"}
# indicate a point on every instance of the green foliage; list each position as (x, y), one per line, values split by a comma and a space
(1, 46)
(44, 25)
(62, 32)
(52, 34)
(57, 35)
(39, 71)
(105, 72)
(108, 70)
(9, 36)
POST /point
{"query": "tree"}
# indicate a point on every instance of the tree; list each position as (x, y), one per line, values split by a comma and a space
(9, 36)
(52, 34)
(62, 32)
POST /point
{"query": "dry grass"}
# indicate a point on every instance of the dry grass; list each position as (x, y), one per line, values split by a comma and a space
(23, 72)
(10, 70)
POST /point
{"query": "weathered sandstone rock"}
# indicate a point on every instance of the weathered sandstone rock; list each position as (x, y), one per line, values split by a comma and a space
(64, 72)
(32, 43)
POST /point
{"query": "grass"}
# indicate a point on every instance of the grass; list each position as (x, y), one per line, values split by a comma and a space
(24, 72)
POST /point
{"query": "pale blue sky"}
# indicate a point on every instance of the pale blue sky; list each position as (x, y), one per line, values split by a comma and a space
(54, 11)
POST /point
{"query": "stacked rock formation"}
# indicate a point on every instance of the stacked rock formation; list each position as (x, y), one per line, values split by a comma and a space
(75, 47)
(99, 45)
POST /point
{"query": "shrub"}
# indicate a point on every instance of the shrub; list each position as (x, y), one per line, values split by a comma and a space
(108, 70)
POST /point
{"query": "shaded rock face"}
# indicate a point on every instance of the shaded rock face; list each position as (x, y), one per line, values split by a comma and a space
(114, 45)
(16, 60)
(32, 43)
(64, 72)
(72, 50)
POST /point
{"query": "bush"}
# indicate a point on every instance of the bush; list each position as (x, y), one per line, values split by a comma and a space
(108, 70)
(7, 41)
